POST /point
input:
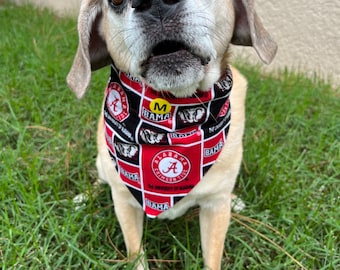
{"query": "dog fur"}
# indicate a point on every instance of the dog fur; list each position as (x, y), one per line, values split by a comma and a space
(128, 32)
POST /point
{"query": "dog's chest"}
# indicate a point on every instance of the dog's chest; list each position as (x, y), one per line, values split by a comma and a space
(162, 146)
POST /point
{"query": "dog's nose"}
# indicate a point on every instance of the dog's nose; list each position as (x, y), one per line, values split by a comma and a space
(144, 5)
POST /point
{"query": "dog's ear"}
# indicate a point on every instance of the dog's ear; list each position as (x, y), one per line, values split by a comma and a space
(249, 31)
(92, 52)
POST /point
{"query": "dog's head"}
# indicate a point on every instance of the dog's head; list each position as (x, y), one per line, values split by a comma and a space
(172, 45)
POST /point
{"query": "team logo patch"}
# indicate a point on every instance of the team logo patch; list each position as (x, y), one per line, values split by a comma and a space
(126, 149)
(116, 102)
(192, 115)
(170, 166)
(160, 106)
(226, 84)
(224, 109)
(155, 117)
(150, 136)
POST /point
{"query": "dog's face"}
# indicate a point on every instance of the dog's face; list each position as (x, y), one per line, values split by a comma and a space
(173, 45)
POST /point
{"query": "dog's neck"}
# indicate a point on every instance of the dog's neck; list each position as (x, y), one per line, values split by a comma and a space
(225, 82)
(163, 145)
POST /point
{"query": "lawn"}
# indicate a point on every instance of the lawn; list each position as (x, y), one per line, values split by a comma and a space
(289, 179)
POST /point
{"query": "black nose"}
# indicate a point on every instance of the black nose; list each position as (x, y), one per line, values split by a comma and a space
(144, 5)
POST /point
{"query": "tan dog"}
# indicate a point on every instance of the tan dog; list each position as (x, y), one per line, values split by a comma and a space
(178, 51)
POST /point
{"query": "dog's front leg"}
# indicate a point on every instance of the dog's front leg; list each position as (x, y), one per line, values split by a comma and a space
(131, 222)
(214, 222)
(129, 214)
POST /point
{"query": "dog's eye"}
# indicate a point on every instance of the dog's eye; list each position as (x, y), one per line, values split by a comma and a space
(116, 3)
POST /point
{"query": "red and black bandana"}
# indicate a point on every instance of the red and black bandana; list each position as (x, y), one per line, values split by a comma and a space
(162, 145)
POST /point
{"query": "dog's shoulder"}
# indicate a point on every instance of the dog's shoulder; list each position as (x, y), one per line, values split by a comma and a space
(239, 81)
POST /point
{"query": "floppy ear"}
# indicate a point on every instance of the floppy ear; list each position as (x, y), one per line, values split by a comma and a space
(92, 52)
(249, 31)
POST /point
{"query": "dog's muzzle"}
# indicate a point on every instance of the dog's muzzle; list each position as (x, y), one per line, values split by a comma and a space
(175, 55)
(172, 55)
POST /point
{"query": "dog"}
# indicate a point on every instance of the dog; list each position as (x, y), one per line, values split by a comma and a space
(170, 132)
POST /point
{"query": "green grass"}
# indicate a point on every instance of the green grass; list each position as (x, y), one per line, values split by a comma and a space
(289, 178)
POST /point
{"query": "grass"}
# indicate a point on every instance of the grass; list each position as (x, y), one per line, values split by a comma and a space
(289, 178)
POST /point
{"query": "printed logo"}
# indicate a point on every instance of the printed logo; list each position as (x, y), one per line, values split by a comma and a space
(155, 117)
(226, 84)
(208, 152)
(192, 115)
(222, 124)
(151, 137)
(126, 150)
(224, 109)
(116, 102)
(109, 140)
(157, 206)
(170, 166)
(160, 106)
(134, 177)
(178, 135)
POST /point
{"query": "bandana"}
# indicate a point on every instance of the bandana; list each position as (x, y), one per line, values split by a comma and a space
(162, 145)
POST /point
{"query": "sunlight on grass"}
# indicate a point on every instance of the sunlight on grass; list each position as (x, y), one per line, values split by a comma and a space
(289, 179)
